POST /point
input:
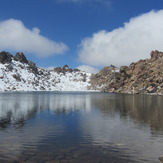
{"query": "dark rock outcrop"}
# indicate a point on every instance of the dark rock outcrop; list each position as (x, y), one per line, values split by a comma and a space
(64, 69)
(19, 74)
(144, 76)
(5, 57)
(156, 54)
(32, 67)
(20, 57)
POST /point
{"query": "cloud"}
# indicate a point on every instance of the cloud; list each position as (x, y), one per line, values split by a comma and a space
(49, 68)
(126, 44)
(89, 69)
(15, 36)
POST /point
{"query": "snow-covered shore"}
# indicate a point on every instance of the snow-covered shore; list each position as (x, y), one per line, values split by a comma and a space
(18, 75)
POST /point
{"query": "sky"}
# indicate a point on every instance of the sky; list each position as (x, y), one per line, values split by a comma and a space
(85, 34)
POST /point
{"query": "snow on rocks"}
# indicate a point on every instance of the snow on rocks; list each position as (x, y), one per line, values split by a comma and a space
(20, 74)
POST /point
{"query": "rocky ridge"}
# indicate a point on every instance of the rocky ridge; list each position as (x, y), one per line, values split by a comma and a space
(143, 77)
(19, 74)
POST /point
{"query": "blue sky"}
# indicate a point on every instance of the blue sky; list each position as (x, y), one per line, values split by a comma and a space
(81, 32)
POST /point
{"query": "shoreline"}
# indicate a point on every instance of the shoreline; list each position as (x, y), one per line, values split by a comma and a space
(79, 91)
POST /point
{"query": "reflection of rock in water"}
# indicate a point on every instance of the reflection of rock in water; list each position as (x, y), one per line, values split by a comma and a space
(161, 158)
(100, 125)
(16, 109)
(143, 109)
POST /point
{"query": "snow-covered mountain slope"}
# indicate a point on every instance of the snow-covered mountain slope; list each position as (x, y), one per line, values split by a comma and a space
(19, 74)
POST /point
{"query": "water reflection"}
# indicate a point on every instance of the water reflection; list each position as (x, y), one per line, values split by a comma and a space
(15, 109)
(131, 125)
(143, 109)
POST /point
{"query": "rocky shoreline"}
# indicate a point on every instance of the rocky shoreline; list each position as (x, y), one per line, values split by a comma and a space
(142, 77)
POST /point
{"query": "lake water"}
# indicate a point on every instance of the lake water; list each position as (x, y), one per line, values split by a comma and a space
(66, 127)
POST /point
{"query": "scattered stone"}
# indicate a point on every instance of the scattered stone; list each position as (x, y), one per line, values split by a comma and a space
(32, 67)
(65, 69)
(17, 77)
(143, 77)
(156, 54)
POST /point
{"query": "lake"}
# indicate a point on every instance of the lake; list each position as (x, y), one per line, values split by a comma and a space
(68, 127)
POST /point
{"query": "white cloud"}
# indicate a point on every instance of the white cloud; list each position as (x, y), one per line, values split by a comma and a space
(126, 44)
(89, 69)
(15, 36)
(49, 68)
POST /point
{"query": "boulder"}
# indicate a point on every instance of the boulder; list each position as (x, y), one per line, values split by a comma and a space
(64, 69)
(144, 76)
(20, 57)
(32, 67)
(5, 57)
(156, 54)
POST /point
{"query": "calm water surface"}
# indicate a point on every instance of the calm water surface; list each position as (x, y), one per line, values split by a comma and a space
(80, 127)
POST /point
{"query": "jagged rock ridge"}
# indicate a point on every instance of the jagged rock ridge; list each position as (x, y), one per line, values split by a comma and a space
(144, 76)
(19, 74)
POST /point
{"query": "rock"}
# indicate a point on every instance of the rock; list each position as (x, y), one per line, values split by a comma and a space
(9, 67)
(20, 57)
(17, 77)
(156, 54)
(161, 158)
(31, 64)
(1, 74)
(151, 89)
(124, 69)
(76, 70)
(32, 67)
(5, 57)
(144, 76)
(58, 70)
(20, 74)
(65, 69)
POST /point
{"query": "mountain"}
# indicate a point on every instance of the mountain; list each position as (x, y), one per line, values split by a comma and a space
(143, 77)
(19, 74)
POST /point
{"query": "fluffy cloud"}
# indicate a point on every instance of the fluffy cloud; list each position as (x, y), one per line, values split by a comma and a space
(87, 68)
(15, 36)
(126, 44)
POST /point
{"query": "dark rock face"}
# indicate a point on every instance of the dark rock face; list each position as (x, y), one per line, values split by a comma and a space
(156, 54)
(64, 69)
(20, 74)
(144, 76)
(5, 57)
(32, 67)
(20, 57)
(17, 77)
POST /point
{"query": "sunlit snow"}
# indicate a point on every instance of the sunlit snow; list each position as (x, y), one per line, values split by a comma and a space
(18, 76)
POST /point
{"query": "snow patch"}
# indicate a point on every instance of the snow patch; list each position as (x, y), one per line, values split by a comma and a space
(19, 76)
